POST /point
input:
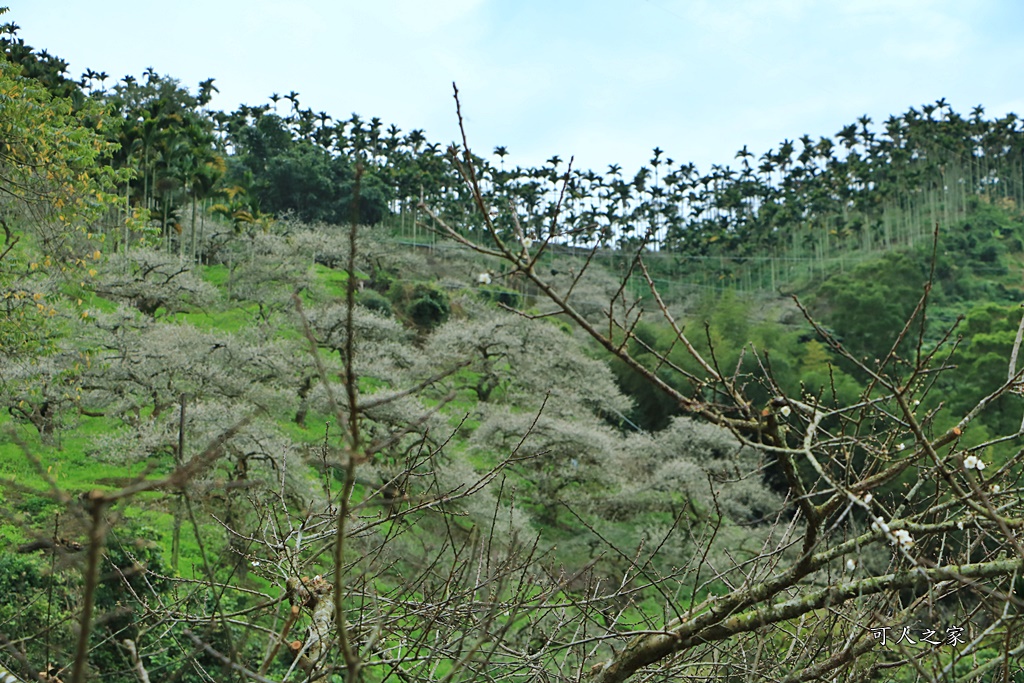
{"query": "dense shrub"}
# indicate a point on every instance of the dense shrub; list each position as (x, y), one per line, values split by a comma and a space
(428, 307)
(429, 312)
(375, 301)
(500, 295)
(866, 304)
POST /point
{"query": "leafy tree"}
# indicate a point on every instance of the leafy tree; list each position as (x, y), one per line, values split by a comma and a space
(55, 198)
(167, 138)
(57, 176)
(865, 305)
(287, 175)
(989, 332)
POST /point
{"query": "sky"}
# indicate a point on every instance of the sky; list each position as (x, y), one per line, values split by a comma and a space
(603, 81)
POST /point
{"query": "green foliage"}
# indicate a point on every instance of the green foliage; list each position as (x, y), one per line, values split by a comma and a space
(983, 359)
(39, 596)
(986, 233)
(138, 563)
(721, 327)
(34, 604)
(868, 305)
(18, 574)
(374, 301)
(286, 175)
(424, 305)
(652, 408)
(500, 295)
(822, 378)
(167, 137)
(428, 312)
(54, 185)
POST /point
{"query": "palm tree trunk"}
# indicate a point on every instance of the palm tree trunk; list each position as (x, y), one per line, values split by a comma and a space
(192, 254)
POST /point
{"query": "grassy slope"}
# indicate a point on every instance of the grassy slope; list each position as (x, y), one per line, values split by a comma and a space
(26, 469)
(968, 273)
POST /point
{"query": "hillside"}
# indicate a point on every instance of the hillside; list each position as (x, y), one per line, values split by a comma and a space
(285, 400)
(163, 357)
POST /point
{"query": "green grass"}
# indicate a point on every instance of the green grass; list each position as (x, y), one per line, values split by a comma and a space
(231, 320)
(335, 281)
(73, 461)
(216, 275)
(313, 432)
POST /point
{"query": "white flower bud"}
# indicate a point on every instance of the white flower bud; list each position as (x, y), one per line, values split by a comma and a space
(902, 536)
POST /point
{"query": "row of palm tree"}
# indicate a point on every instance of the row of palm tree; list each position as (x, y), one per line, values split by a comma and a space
(863, 189)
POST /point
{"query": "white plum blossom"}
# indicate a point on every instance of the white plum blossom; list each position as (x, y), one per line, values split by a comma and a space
(785, 410)
(973, 462)
(527, 243)
(851, 564)
(483, 279)
(900, 446)
(868, 498)
(902, 536)
(875, 526)
(996, 488)
(960, 526)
